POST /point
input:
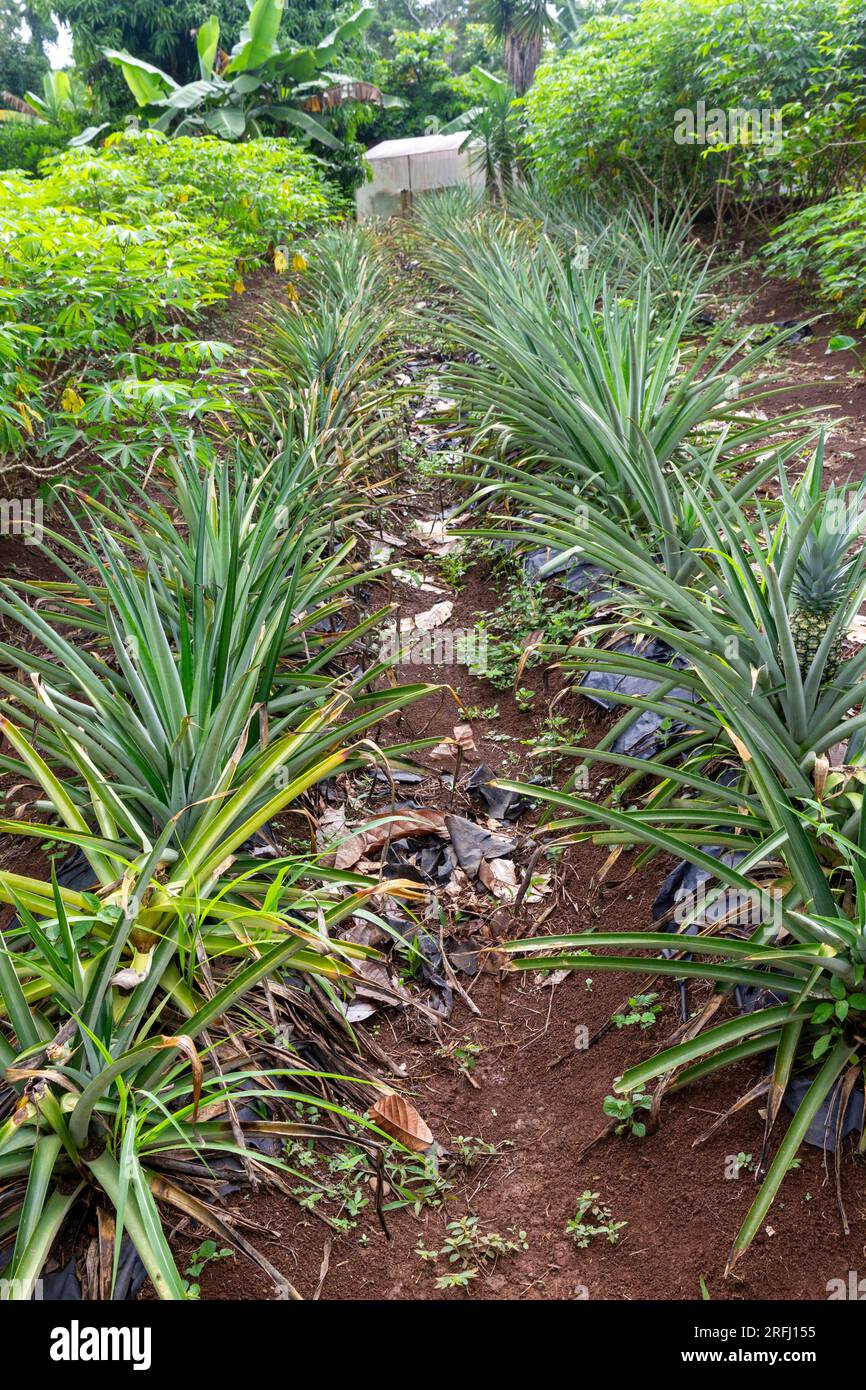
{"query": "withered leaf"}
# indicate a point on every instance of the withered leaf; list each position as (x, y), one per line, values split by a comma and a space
(499, 876)
(399, 1118)
(394, 827)
(465, 739)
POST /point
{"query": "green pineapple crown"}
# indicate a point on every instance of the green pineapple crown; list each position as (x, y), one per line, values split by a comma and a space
(821, 529)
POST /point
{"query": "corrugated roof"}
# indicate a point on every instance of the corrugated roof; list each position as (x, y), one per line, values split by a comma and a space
(417, 144)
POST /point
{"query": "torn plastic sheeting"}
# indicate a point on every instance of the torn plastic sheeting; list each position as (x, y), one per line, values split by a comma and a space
(429, 958)
(230, 1165)
(642, 737)
(583, 578)
(64, 1286)
(472, 843)
(396, 776)
(681, 892)
(462, 956)
(803, 331)
(821, 1133)
(682, 887)
(424, 858)
(501, 804)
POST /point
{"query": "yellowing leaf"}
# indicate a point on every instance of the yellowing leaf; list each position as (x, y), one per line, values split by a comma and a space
(71, 401)
(239, 286)
(298, 261)
(280, 261)
(740, 746)
(25, 416)
(292, 294)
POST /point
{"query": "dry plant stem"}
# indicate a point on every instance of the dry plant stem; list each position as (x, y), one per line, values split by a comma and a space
(452, 978)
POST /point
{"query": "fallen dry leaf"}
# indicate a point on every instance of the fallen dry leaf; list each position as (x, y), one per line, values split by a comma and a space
(548, 978)
(539, 886)
(390, 828)
(332, 827)
(430, 618)
(434, 535)
(857, 630)
(530, 644)
(445, 752)
(416, 581)
(399, 1118)
(499, 876)
(465, 739)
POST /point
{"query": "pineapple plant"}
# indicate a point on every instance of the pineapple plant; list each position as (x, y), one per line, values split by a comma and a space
(818, 588)
(821, 529)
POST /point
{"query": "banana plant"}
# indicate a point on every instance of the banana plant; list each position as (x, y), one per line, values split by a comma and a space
(804, 953)
(257, 84)
(64, 101)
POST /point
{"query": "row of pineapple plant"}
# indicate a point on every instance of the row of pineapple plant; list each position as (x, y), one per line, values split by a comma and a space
(177, 688)
(607, 431)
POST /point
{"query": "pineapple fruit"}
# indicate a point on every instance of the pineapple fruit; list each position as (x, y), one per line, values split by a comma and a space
(819, 586)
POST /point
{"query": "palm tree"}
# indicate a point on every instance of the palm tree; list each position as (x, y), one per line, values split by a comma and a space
(522, 26)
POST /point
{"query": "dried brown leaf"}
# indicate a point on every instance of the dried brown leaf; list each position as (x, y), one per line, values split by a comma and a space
(399, 1118)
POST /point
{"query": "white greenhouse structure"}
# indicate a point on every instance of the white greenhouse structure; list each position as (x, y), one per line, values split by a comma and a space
(402, 168)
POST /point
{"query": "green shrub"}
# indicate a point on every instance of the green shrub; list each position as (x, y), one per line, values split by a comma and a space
(607, 110)
(24, 143)
(140, 235)
(253, 196)
(826, 243)
(420, 75)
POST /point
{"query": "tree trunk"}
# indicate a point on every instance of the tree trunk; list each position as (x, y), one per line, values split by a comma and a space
(521, 56)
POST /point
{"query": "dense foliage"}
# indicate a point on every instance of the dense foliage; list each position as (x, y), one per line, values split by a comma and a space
(825, 244)
(137, 237)
(23, 34)
(419, 72)
(158, 32)
(24, 144)
(607, 110)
